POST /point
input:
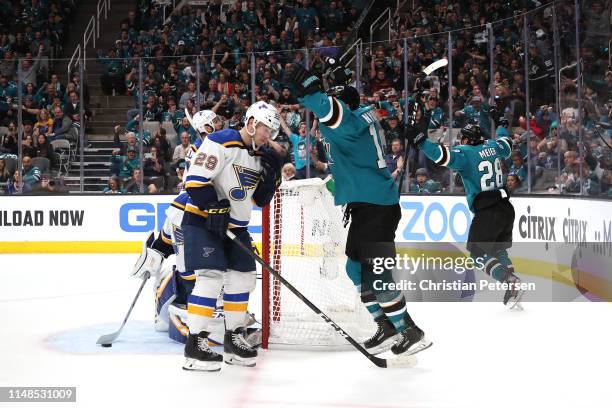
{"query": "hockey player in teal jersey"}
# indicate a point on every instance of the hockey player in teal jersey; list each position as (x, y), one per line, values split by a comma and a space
(362, 183)
(479, 163)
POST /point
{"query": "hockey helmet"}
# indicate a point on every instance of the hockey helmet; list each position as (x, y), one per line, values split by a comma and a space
(201, 119)
(263, 112)
(347, 94)
(472, 133)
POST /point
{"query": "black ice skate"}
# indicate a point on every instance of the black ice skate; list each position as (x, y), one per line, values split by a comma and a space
(237, 349)
(411, 341)
(513, 295)
(383, 339)
(199, 355)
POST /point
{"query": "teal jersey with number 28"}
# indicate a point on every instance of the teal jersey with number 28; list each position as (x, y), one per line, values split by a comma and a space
(352, 139)
(480, 166)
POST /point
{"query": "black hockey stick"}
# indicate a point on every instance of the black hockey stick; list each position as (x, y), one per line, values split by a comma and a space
(106, 340)
(399, 361)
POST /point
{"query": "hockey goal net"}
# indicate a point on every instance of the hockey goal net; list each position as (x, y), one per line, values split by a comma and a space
(303, 239)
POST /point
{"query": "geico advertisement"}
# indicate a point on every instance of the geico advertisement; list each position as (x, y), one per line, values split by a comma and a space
(424, 219)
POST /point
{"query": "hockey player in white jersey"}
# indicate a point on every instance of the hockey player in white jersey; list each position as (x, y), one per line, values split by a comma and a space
(230, 170)
(172, 281)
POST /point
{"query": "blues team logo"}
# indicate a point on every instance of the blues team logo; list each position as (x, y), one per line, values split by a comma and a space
(206, 251)
(247, 180)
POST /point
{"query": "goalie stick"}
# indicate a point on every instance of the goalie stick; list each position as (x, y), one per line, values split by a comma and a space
(397, 362)
(107, 339)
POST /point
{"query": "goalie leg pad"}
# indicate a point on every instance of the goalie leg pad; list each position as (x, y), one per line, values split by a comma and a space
(165, 294)
(238, 286)
(178, 329)
(203, 299)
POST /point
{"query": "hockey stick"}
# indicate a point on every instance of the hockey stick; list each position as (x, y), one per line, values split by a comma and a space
(435, 65)
(427, 71)
(106, 340)
(400, 361)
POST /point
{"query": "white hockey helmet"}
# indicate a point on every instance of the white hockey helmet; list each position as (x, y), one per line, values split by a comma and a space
(263, 112)
(201, 119)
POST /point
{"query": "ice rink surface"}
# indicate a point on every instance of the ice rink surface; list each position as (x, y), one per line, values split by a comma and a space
(54, 307)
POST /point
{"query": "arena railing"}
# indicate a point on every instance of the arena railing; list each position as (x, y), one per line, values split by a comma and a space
(550, 99)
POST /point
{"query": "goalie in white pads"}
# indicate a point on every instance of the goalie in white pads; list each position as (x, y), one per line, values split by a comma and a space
(172, 281)
(230, 170)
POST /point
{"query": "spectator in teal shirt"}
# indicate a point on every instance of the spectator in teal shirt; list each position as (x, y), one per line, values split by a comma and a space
(424, 185)
(477, 113)
(435, 113)
(124, 166)
(31, 174)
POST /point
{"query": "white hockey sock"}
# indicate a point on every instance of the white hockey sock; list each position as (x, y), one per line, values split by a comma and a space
(203, 299)
(238, 285)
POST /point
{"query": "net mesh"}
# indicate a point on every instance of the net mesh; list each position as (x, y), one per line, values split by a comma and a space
(307, 242)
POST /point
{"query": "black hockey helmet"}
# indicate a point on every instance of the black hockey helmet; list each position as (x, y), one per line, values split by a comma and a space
(503, 121)
(347, 94)
(472, 133)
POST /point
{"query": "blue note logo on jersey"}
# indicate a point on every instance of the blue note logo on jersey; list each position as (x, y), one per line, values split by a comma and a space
(206, 251)
(247, 180)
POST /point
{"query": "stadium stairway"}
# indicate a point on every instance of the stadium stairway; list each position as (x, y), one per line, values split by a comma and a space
(106, 111)
(96, 168)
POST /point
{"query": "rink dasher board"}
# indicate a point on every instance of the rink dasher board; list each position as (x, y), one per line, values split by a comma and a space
(119, 223)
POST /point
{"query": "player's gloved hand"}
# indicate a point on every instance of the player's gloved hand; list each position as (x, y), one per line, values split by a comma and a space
(303, 81)
(150, 260)
(218, 217)
(271, 164)
(337, 73)
(271, 176)
(419, 139)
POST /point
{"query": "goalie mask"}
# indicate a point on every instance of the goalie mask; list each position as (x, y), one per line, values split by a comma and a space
(347, 94)
(263, 113)
(203, 122)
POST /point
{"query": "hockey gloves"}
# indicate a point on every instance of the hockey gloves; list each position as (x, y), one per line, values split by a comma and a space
(419, 139)
(415, 140)
(271, 164)
(304, 82)
(218, 217)
(150, 259)
(337, 73)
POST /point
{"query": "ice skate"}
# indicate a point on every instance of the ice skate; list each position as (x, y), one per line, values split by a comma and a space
(411, 341)
(383, 339)
(238, 351)
(200, 357)
(513, 296)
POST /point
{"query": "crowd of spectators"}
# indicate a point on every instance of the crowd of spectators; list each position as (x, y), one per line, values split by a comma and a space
(218, 41)
(31, 37)
(200, 57)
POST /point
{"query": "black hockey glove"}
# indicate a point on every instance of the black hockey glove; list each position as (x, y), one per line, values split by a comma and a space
(419, 139)
(304, 82)
(271, 165)
(218, 217)
(337, 73)
(414, 138)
